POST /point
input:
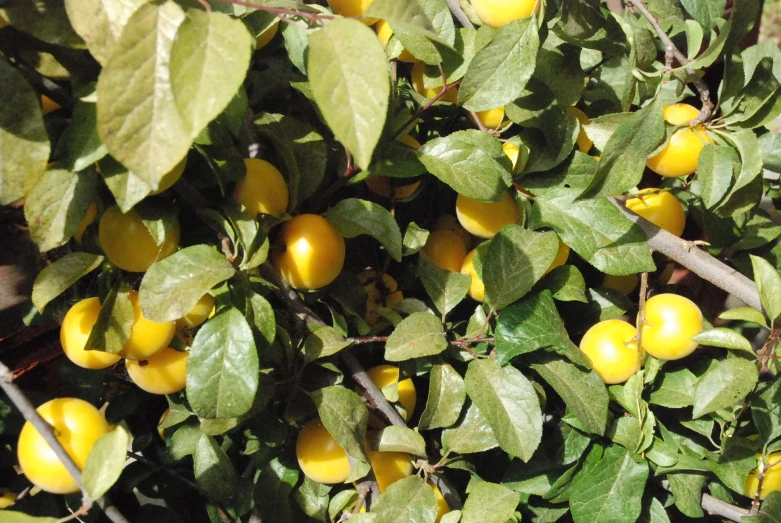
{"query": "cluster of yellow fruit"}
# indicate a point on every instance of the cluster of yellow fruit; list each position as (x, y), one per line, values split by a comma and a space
(323, 460)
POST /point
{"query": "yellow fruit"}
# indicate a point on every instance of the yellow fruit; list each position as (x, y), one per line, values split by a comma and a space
(351, 8)
(448, 222)
(203, 309)
(7, 497)
(679, 157)
(624, 284)
(128, 243)
(491, 118)
(442, 506)
(146, 337)
(660, 208)
(320, 456)
(612, 350)
(3, 22)
(77, 425)
(383, 186)
(92, 211)
(376, 298)
(561, 256)
(74, 333)
(48, 105)
(263, 189)
(496, 13)
(266, 36)
(171, 177)
(445, 250)
(385, 375)
(313, 252)
(584, 142)
(389, 467)
(772, 480)
(511, 151)
(165, 414)
(163, 373)
(671, 321)
(485, 219)
(426, 92)
(384, 33)
(477, 288)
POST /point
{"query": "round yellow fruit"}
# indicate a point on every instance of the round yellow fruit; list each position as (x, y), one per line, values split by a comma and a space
(511, 151)
(612, 349)
(389, 467)
(491, 118)
(385, 375)
(7, 498)
(77, 425)
(477, 288)
(313, 253)
(384, 33)
(660, 208)
(624, 284)
(485, 219)
(445, 250)
(562, 255)
(163, 373)
(772, 480)
(496, 13)
(679, 157)
(671, 321)
(128, 243)
(262, 189)
(584, 142)
(320, 456)
(428, 92)
(48, 105)
(74, 333)
(146, 337)
(171, 177)
(448, 222)
(442, 506)
(377, 298)
(383, 186)
(85, 222)
(203, 309)
(351, 8)
(266, 36)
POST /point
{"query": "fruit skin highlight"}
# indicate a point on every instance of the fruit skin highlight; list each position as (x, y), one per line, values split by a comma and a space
(75, 331)
(263, 189)
(491, 118)
(679, 157)
(485, 219)
(128, 243)
(671, 321)
(496, 13)
(320, 456)
(612, 350)
(660, 208)
(313, 253)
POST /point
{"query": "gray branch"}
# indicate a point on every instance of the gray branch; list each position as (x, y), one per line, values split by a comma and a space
(459, 13)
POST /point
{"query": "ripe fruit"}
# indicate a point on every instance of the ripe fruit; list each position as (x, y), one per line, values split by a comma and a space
(77, 425)
(7, 497)
(376, 298)
(624, 284)
(146, 337)
(477, 288)
(383, 185)
(351, 8)
(448, 222)
(203, 309)
(612, 349)
(561, 256)
(772, 480)
(430, 92)
(511, 151)
(485, 219)
(496, 13)
(163, 373)
(48, 105)
(384, 33)
(584, 142)
(320, 456)
(128, 243)
(679, 157)
(385, 375)
(171, 177)
(671, 321)
(389, 467)
(445, 250)
(266, 36)
(74, 333)
(491, 118)
(263, 189)
(660, 208)
(92, 211)
(442, 506)
(313, 252)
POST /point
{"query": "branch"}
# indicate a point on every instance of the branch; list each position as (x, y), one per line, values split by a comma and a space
(280, 11)
(716, 507)
(670, 48)
(697, 261)
(459, 13)
(45, 430)
(424, 108)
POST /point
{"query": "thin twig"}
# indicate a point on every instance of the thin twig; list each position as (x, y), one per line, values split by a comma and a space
(46, 431)
(459, 13)
(317, 17)
(641, 315)
(699, 83)
(412, 119)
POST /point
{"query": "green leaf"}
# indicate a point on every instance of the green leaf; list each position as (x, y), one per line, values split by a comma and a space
(399, 439)
(489, 503)
(498, 73)
(725, 338)
(601, 128)
(406, 13)
(737, 458)
(105, 462)
(583, 391)
(432, 43)
(353, 217)
(745, 314)
(127, 188)
(348, 73)
(687, 489)
(58, 277)
(675, 390)
(323, 342)
(213, 470)
(769, 511)
(509, 403)
(747, 145)
(342, 500)
(137, 115)
(471, 162)
(472, 433)
(419, 334)
(723, 385)
(172, 286)
(100, 22)
(115, 321)
(80, 146)
(446, 395)
(274, 485)
(45, 20)
(407, 500)
(208, 63)
(313, 498)
(445, 288)
(344, 416)
(581, 18)
(11, 516)
(766, 411)
(566, 283)
(715, 169)
(653, 512)
(222, 370)
(769, 286)
(414, 239)
(611, 491)
(516, 259)
(706, 12)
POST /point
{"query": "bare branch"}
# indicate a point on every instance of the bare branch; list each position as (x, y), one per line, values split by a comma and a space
(459, 13)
